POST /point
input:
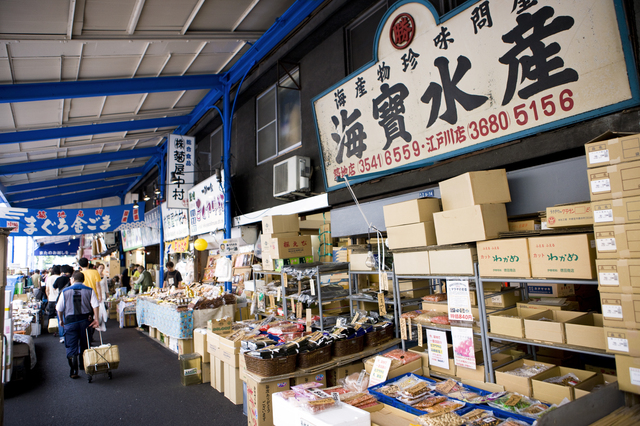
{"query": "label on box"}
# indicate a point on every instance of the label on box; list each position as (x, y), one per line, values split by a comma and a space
(496, 299)
(612, 311)
(608, 278)
(606, 244)
(602, 216)
(600, 185)
(384, 281)
(634, 376)
(618, 344)
(190, 371)
(597, 157)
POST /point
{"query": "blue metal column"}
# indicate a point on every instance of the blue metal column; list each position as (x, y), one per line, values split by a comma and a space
(163, 179)
(226, 120)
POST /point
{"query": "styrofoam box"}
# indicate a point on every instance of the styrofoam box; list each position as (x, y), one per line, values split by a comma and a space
(287, 414)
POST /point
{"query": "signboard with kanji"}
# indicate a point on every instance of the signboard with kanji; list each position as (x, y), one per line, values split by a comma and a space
(180, 167)
(206, 207)
(495, 71)
(45, 222)
(174, 222)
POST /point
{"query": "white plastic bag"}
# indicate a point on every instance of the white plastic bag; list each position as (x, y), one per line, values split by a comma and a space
(224, 270)
(103, 316)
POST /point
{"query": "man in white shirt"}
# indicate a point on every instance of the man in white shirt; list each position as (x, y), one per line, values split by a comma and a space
(52, 293)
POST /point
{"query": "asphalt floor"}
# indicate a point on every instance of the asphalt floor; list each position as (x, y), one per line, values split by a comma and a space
(145, 389)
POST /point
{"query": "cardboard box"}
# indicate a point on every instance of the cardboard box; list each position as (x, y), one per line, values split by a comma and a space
(357, 261)
(412, 263)
(412, 211)
(424, 354)
(221, 327)
(615, 181)
(616, 212)
(506, 299)
(513, 383)
(242, 369)
(206, 372)
(413, 289)
(548, 331)
(270, 264)
(618, 241)
(340, 254)
(554, 393)
(288, 247)
(507, 257)
(622, 341)
(621, 310)
(451, 371)
(259, 408)
(567, 306)
(152, 332)
(524, 225)
(618, 275)
(453, 261)
(217, 374)
(282, 223)
(551, 290)
(612, 148)
(586, 331)
(229, 351)
(213, 344)
(232, 384)
(510, 322)
(477, 374)
(266, 242)
(568, 215)
(185, 346)
(420, 234)
(320, 377)
(200, 345)
(587, 386)
(337, 373)
(628, 369)
(563, 256)
(414, 367)
(483, 187)
(212, 368)
(469, 224)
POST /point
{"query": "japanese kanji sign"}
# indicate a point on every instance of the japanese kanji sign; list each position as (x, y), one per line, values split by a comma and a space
(180, 167)
(206, 207)
(174, 223)
(44, 222)
(496, 71)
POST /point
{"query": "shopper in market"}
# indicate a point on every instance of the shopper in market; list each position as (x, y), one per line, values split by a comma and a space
(52, 293)
(92, 279)
(126, 279)
(104, 282)
(61, 283)
(135, 273)
(77, 311)
(35, 277)
(144, 281)
(172, 276)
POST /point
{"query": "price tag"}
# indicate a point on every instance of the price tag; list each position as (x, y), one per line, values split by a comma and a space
(355, 318)
(293, 306)
(384, 281)
(420, 341)
(272, 301)
(603, 216)
(410, 328)
(308, 319)
(403, 328)
(513, 400)
(285, 280)
(596, 157)
(299, 287)
(335, 396)
(606, 244)
(279, 293)
(447, 386)
(313, 287)
(600, 185)
(382, 308)
(299, 310)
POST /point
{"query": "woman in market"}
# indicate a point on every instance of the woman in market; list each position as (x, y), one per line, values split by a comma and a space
(104, 283)
(172, 276)
(126, 280)
(52, 293)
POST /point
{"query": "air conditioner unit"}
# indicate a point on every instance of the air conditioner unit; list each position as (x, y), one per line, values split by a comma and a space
(291, 176)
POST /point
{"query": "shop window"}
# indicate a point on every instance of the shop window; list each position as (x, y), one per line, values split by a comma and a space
(278, 119)
(361, 34)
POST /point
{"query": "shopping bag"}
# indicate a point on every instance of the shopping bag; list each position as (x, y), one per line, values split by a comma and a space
(103, 316)
(53, 325)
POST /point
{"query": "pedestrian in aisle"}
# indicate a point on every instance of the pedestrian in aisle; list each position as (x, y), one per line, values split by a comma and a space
(77, 311)
(145, 281)
(172, 276)
(126, 279)
(35, 277)
(61, 283)
(91, 279)
(52, 294)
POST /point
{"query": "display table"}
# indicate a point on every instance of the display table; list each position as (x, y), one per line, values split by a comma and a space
(172, 322)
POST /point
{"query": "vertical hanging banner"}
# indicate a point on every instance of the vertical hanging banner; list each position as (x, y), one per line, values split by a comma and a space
(458, 300)
(174, 222)
(437, 346)
(206, 206)
(464, 354)
(492, 72)
(180, 168)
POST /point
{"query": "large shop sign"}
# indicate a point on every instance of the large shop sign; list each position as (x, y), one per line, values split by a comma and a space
(45, 222)
(180, 167)
(174, 223)
(495, 71)
(206, 207)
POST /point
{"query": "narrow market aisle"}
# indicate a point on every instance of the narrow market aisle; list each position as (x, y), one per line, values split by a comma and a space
(145, 389)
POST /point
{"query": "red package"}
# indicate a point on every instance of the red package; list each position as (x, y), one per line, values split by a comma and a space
(435, 297)
(441, 319)
(404, 356)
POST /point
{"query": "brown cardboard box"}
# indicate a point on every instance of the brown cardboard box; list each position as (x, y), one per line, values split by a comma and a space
(229, 351)
(221, 327)
(524, 225)
(469, 224)
(615, 181)
(414, 288)
(213, 345)
(337, 373)
(622, 341)
(412, 263)
(232, 384)
(506, 299)
(414, 367)
(217, 374)
(569, 215)
(477, 374)
(621, 310)
(200, 345)
(259, 408)
(419, 234)
(424, 354)
(320, 377)
(266, 239)
(628, 369)
(618, 241)
(206, 372)
(185, 346)
(357, 261)
(507, 257)
(513, 383)
(212, 372)
(152, 332)
(586, 331)
(616, 212)
(587, 386)
(483, 187)
(612, 148)
(510, 322)
(451, 371)
(288, 247)
(553, 393)
(564, 256)
(453, 261)
(618, 275)
(282, 223)
(551, 290)
(412, 211)
(548, 331)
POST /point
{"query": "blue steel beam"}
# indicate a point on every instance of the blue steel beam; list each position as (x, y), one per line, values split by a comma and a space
(91, 129)
(45, 203)
(85, 89)
(61, 163)
(150, 164)
(49, 192)
(14, 189)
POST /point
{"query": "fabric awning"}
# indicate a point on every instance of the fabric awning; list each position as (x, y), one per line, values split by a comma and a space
(65, 248)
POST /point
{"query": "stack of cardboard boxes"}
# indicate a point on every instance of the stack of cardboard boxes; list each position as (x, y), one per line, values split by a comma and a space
(282, 243)
(614, 172)
(224, 359)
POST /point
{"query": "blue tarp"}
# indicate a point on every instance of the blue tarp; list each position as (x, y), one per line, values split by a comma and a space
(65, 248)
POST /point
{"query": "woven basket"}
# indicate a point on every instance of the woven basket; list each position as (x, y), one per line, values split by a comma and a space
(271, 367)
(348, 347)
(313, 358)
(379, 336)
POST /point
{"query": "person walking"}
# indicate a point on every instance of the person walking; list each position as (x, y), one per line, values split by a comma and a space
(92, 280)
(145, 281)
(60, 284)
(52, 293)
(172, 276)
(126, 279)
(77, 311)
(36, 278)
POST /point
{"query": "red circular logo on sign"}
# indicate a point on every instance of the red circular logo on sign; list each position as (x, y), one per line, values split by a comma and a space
(552, 220)
(402, 31)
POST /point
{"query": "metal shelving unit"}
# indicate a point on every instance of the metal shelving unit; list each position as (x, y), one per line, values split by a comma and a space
(387, 300)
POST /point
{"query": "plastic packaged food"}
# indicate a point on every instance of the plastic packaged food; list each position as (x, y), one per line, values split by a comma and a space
(569, 379)
(357, 399)
(320, 405)
(480, 399)
(486, 421)
(528, 370)
(446, 419)
(435, 297)
(404, 356)
(408, 381)
(429, 402)
(513, 422)
(512, 402)
(411, 314)
(358, 382)
(440, 319)
(304, 386)
(448, 386)
(389, 390)
(445, 407)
